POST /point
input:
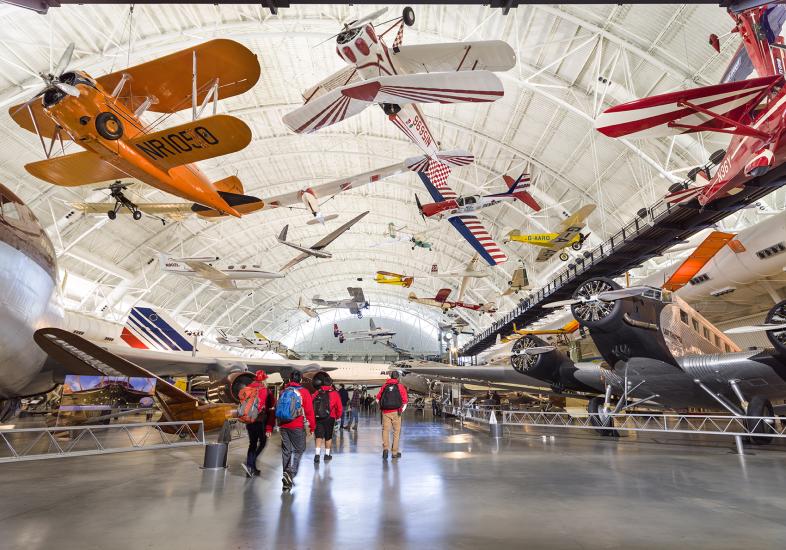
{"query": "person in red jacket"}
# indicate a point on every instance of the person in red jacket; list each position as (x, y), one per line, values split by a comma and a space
(293, 432)
(262, 427)
(327, 409)
(392, 399)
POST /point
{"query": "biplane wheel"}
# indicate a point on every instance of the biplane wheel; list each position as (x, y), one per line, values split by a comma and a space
(408, 16)
(564, 256)
(109, 126)
(576, 246)
(137, 215)
(391, 109)
(111, 214)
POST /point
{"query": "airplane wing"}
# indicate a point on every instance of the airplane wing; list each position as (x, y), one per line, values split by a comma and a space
(488, 373)
(174, 210)
(357, 294)
(75, 169)
(452, 87)
(197, 140)
(326, 109)
(218, 278)
(691, 266)
(340, 78)
(488, 55)
(442, 295)
(545, 254)
(470, 227)
(667, 115)
(435, 178)
(323, 242)
(568, 229)
(353, 308)
(169, 79)
(465, 280)
(294, 261)
(329, 189)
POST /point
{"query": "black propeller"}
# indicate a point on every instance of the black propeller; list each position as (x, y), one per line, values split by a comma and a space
(420, 207)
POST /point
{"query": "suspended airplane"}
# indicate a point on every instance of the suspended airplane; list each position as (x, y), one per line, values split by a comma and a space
(399, 235)
(356, 303)
(459, 210)
(468, 272)
(103, 115)
(518, 282)
(374, 333)
(312, 197)
(396, 279)
(224, 277)
(259, 342)
(317, 250)
(568, 234)
(399, 77)
(441, 301)
(752, 111)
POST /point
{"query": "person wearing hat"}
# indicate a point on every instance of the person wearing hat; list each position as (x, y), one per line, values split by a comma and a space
(261, 428)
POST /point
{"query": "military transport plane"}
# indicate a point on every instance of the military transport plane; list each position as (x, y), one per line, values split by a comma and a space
(224, 277)
(103, 115)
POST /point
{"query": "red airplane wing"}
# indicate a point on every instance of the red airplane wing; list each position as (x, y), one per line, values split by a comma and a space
(668, 114)
(442, 295)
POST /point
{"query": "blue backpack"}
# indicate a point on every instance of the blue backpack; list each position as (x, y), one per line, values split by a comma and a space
(290, 404)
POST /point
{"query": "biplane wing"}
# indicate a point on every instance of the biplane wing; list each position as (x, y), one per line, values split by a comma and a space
(442, 295)
(334, 187)
(488, 55)
(194, 141)
(576, 219)
(174, 210)
(340, 78)
(461, 87)
(75, 169)
(667, 114)
(357, 294)
(326, 109)
(545, 254)
(25, 119)
(169, 79)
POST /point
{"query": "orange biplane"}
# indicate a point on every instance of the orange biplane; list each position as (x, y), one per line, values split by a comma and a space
(103, 115)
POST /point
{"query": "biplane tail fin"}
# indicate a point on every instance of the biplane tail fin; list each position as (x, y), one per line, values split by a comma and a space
(759, 24)
(454, 158)
(243, 204)
(518, 189)
(232, 184)
(683, 196)
(717, 107)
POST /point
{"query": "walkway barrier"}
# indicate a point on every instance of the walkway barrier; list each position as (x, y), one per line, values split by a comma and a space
(21, 444)
(761, 428)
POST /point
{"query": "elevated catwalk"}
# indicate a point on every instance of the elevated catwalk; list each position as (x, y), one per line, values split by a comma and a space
(451, 489)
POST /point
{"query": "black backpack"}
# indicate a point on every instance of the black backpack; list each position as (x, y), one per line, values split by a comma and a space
(322, 404)
(391, 398)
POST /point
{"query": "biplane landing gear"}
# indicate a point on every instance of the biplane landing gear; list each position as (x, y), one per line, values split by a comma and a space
(564, 256)
(109, 126)
(408, 16)
(121, 201)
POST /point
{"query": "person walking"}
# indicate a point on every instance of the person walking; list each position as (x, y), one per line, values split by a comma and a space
(354, 407)
(344, 395)
(392, 399)
(327, 409)
(256, 411)
(293, 409)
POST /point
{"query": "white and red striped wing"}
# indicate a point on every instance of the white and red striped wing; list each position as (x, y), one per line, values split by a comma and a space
(475, 233)
(654, 116)
(684, 195)
(327, 109)
(454, 158)
(460, 87)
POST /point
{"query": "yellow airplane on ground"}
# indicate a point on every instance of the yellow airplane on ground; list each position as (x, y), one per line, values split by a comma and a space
(567, 328)
(568, 234)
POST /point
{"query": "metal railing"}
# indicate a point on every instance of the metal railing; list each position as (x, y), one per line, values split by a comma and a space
(690, 424)
(21, 444)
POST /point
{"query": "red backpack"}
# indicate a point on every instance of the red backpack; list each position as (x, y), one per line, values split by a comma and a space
(252, 403)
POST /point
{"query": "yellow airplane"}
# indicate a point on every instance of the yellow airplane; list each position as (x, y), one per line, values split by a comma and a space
(568, 328)
(389, 278)
(568, 234)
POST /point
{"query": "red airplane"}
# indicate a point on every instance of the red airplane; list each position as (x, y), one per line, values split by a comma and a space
(751, 110)
(441, 301)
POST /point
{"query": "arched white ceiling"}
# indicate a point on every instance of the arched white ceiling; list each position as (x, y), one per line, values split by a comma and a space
(544, 125)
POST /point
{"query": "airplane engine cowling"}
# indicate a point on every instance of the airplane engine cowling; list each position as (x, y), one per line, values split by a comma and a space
(544, 366)
(595, 313)
(227, 390)
(777, 315)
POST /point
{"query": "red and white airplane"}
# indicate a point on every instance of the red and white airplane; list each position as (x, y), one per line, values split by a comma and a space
(397, 78)
(441, 301)
(459, 210)
(752, 110)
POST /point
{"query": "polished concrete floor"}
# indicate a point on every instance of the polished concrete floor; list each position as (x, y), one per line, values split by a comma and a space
(453, 488)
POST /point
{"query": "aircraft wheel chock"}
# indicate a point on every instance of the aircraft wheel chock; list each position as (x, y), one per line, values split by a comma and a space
(109, 126)
(564, 256)
(408, 15)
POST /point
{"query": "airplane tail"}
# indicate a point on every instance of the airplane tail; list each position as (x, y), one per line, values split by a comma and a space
(517, 188)
(451, 159)
(371, 324)
(147, 328)
(682, 196)
(283, 235)
(260, 336)
(413, 296)
(336, 330)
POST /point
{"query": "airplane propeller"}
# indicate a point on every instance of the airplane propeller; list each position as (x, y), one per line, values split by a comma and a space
(420, 207)
(605, 296)
(52, 80)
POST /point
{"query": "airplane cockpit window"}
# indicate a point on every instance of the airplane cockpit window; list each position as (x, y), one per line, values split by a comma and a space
(470, 200)
(9, 210)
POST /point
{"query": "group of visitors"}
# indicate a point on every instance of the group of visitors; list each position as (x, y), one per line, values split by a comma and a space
(298, 410)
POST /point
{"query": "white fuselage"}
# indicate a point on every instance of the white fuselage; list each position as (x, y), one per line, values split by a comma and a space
(235, 272)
